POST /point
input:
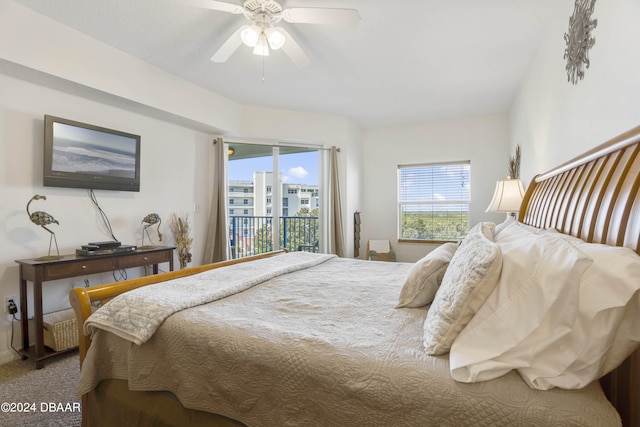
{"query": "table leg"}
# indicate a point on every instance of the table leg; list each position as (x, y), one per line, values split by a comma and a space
(24, 314)
(37, 315)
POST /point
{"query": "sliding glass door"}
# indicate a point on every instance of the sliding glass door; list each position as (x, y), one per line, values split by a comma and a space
(268, 210)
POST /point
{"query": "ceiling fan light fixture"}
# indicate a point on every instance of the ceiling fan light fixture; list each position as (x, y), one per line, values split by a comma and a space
(276, 38)
(262, 46)
(250, 35)
(260, 34)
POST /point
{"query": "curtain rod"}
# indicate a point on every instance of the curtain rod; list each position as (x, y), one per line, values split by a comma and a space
(280, 144)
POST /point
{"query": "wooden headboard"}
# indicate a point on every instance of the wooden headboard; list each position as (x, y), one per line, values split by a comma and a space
(596, 197)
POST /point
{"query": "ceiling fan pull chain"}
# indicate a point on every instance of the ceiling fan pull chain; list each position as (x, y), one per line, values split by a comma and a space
(263, 69)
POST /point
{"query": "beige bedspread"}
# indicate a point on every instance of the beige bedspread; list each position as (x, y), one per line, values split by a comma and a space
(136, 315)
(325, 347)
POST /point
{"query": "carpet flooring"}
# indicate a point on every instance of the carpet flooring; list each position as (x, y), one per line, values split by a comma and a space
(40, 397)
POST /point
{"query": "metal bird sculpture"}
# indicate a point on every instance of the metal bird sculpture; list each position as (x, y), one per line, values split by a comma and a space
(148, 221)
(43, 219)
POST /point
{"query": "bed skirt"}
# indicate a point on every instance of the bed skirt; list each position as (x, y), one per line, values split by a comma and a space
(120, 406)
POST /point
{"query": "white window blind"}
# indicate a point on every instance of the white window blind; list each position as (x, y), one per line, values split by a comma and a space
(433, 201)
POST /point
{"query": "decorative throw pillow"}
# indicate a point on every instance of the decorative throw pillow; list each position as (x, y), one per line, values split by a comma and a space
(471, 276)
(424, 277)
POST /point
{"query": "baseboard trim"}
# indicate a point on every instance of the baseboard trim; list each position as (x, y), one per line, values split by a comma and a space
(8, 356)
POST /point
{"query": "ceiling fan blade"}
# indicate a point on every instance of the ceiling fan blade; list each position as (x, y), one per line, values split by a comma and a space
(218, 5)
(314, 15)
(229, 47)
(294, 51)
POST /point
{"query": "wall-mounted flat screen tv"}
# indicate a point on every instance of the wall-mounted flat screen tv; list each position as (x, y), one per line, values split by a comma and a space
(80, 155)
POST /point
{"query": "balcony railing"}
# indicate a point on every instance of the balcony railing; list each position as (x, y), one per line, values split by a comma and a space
(249, 235)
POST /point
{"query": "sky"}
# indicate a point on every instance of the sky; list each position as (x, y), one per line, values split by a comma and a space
(435, 183)
(298, 168)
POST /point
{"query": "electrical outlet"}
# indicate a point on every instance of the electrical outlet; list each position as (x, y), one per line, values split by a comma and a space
(6, 302)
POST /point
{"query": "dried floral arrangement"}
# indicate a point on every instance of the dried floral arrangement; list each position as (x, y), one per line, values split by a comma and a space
(180, 228)
(514, 164)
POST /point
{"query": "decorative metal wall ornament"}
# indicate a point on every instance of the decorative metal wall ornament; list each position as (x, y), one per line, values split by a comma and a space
(579, 39)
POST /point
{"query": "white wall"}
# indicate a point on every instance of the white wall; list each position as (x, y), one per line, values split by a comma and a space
(171, 157)
(39, 43)
(482, 140)
(554, 120)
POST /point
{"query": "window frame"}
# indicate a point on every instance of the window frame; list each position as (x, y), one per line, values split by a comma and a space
(429, 201)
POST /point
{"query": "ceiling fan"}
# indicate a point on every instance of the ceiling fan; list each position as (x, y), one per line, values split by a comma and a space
(262, 33)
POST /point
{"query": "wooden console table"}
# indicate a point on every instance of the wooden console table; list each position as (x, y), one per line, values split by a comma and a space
(38, 271)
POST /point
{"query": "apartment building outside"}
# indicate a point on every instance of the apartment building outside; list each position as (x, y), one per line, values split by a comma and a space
(251, 203)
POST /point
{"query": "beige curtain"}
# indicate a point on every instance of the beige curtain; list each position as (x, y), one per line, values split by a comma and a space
(217, 245)
(336, 244)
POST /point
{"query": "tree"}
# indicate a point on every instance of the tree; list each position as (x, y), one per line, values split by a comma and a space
(300, 229)
(262, 241)
(434, 226)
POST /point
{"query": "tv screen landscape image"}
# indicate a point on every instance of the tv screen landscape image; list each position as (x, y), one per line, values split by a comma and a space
(80, 155)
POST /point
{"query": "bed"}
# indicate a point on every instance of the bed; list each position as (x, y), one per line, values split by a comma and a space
(311, 339)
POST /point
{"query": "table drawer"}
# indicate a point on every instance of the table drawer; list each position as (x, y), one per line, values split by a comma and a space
(146, 258)
(78, 268)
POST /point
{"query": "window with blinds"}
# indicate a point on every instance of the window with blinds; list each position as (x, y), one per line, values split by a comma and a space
(433, 201)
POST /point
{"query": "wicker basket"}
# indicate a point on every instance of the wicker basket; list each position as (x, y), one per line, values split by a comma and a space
(60, 330)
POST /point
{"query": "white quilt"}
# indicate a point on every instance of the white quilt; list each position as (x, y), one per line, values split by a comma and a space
(324, 346)
(136, 315)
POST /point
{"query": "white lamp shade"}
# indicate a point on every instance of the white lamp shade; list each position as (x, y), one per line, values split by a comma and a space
(507, 196)
(250, 35)
(262, 46)
(275, 37)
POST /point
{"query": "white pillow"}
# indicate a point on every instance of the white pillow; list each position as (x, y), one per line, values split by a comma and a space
(607, 329)
(511, 230)
(469, 279)
(500, 227)
(532, 309)
(424, 277)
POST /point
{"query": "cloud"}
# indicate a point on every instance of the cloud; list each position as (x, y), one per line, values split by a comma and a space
(298, 172)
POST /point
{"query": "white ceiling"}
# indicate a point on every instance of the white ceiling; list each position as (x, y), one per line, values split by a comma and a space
(407, 61)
